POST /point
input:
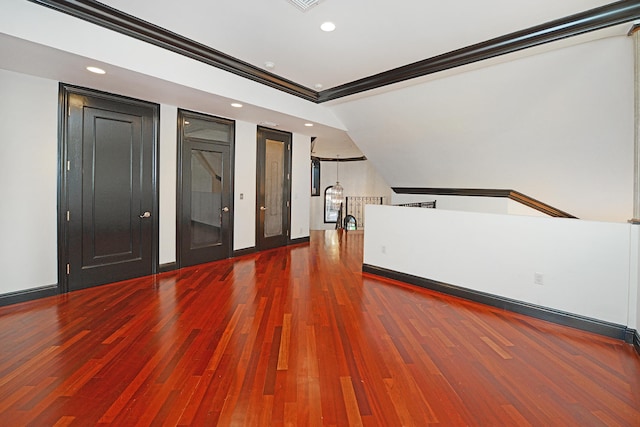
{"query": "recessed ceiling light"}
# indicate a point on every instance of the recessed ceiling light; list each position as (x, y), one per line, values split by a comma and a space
(236, 105)
(269, 65)
(96, 70)
(328, 26)
(318, 86)
(308, 124)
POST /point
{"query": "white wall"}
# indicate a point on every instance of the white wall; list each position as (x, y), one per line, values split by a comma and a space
(28, 181)
(300, 186)
(556, 126)
(167, 184)
(358, 178)
(28, 158)
(585, 265)
(244, 225)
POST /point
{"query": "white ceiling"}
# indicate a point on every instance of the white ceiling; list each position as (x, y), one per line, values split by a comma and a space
(372, 36)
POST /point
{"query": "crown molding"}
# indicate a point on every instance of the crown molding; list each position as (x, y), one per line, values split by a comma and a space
(591, 20)
(129, 25)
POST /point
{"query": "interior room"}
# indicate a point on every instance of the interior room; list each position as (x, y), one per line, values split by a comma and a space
(282, 149)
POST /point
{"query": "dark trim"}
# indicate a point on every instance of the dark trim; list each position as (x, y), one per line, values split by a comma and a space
(28, 295)
(113, 19)
(551, 315)
(628, 336)
(315, 177)
(155, 179)
(254, 250)
(347, 159)
(62, 191)
(169, 266)
(636, 341)
(245, 251)
(299, 240)
(573, 25)
(477, 192)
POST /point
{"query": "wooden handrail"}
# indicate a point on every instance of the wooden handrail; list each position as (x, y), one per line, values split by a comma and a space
(477, 192)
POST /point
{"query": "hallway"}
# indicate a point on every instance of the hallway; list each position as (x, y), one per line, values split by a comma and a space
(300, 336)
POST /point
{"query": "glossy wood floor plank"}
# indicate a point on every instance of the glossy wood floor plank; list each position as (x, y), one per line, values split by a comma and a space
(298, 336)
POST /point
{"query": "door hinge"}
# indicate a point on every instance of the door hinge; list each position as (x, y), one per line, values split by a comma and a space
(68, 269)
(68, 165)
(287, 233)
(288, 176)
(68, 216)
(288, 204)
(289, 147)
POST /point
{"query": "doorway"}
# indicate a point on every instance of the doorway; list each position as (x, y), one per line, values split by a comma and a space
(273, 206)
(205, 183)
(107, 207)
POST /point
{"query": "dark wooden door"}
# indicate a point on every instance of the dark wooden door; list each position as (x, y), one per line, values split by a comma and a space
(108, 187)
(273, 207)
(205, 207)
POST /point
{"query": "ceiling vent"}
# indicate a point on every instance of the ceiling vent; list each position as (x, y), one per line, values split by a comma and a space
(304, 5)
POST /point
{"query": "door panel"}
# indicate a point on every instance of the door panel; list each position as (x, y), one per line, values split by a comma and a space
(274, 188)
(273, 184)
(108, 185)
(108, 189)
(205, 199)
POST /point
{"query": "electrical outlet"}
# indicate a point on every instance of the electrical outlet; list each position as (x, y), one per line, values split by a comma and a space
(538, 279)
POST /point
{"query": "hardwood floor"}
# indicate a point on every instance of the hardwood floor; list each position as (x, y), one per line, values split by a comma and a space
(299, 336)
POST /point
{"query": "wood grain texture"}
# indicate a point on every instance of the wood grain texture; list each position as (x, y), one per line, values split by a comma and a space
(299, 336)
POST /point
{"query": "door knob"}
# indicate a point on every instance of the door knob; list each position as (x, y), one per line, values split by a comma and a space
(262, 208)
(147, 214)
(225, 209)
